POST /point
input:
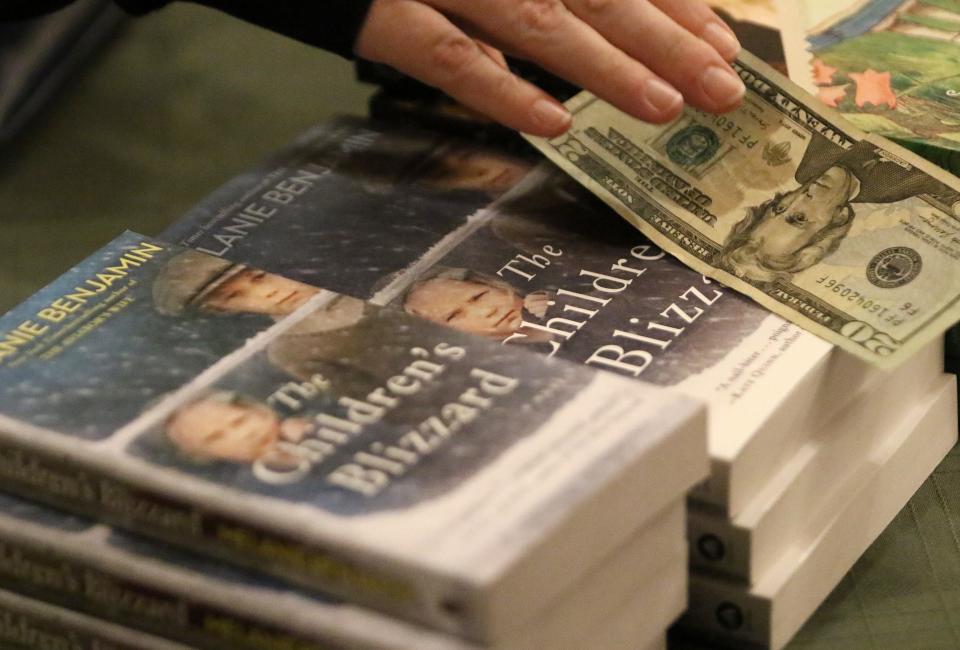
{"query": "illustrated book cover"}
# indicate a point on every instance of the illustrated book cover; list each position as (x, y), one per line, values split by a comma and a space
(350, 448)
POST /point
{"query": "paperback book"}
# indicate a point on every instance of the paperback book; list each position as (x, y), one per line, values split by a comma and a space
(104, 572)
(807, 490)
(771, 611)
(349, 202)
(356, 450)
(27, 624)
(558, 273)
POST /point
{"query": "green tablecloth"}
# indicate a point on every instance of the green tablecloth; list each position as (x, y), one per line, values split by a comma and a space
(181, 101)
(177, 104)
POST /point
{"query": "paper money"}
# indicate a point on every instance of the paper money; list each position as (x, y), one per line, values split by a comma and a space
(847, 235)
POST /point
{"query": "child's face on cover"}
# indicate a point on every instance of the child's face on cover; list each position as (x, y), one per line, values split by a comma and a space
(228, 431)
(469, 169)
(253, 291)
(467, 305)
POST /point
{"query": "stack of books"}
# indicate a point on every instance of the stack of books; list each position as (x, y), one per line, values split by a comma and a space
(201, 449)
(393, 389)
(800, 434)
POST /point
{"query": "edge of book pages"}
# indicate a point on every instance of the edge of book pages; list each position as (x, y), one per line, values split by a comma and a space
(79, 564)
(770, 612)
(821, 476)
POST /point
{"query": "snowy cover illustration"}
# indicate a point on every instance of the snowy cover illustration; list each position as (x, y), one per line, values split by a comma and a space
(547, 268)
(348, 203)
(553, 270)
(324, 439)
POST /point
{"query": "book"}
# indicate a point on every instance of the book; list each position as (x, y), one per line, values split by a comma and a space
(587, 288)
(104, 572)
(799, 501)
(887, 67)
(27, 624)
(349, 202)
(771, 611)
(356, 450)
(641, 621)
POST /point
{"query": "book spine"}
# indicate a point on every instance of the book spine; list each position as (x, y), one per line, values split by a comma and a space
(727, 613)
(55, 576)
(75, 486)
(717, 546)
(27, 624)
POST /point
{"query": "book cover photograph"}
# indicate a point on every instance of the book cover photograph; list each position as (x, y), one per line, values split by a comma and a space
(329, 441)
(889, 67)
(349, 202)
(552, 270)
(547, 268)
(136, 320)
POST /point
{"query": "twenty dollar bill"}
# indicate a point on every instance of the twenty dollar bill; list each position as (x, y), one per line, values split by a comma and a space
(847, 235)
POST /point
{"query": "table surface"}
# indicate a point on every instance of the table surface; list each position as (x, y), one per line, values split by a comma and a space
(182, 100)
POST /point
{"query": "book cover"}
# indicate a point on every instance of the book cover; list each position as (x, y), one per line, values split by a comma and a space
(771, 611)
(558, 273)
(348, 203)
(349, 448)
(889, 67)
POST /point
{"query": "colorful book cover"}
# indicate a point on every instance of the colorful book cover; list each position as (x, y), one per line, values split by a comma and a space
(890, 67)
(350, 448)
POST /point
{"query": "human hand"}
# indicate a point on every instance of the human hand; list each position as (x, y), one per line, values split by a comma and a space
(639, 55)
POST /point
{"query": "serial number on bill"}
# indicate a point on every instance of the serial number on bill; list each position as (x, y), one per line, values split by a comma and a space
(881, 310)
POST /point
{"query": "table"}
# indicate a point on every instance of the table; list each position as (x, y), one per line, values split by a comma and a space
(181, 101)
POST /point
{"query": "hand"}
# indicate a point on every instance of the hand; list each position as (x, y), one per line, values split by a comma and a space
(640, 55)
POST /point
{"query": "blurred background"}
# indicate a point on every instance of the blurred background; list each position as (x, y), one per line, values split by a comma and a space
(163, 111)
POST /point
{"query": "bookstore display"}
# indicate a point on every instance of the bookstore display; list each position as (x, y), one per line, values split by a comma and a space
(564, 262)
(405, 385)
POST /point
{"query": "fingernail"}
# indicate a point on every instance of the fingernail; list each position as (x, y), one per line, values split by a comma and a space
(661, 96)
(722, 86)
(723, 41)
(550, 115)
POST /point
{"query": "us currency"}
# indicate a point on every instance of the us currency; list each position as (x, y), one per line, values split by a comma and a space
(847, 235)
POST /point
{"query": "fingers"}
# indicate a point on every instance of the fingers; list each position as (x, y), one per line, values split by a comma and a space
(700, 20)
(665, 44)
(421, 42)
(643, 56)
(547, 32)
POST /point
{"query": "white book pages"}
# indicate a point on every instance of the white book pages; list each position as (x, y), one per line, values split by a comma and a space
(770, 612)
(821, 477)
(79, 564)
